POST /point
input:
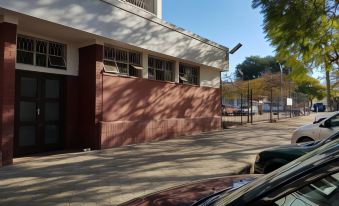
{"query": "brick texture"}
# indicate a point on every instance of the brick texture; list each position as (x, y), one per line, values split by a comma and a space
(140, 110)
(7, 90)
(116, 111)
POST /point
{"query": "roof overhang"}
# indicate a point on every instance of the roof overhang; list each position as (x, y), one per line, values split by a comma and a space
(115, 20)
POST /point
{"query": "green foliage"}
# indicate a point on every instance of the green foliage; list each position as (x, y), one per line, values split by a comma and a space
(261, 86)
(310, 86)
(255, 66)
(304, 30)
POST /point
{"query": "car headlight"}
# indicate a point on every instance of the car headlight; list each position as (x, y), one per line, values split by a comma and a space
(257, 158)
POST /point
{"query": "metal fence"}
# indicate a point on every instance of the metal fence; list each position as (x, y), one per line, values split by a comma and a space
(246, 102)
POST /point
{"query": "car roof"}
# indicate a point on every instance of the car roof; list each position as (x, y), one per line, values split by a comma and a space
(278, 177)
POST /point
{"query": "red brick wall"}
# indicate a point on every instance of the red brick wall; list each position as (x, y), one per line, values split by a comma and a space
(115, 111)
(90, 84)
(7, 90)
(139, 110)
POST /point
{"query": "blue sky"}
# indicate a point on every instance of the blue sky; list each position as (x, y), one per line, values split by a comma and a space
(226, 22)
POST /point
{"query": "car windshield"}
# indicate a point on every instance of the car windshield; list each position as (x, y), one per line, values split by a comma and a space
(281, 173)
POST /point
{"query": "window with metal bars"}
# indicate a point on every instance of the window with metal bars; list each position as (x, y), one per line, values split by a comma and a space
(188, 74)
(124, 62)
(25, 50)
(148, 5)
(56, 55)
(41, 53)
(159, 69)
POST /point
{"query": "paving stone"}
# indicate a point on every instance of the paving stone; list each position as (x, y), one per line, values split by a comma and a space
(113, 176)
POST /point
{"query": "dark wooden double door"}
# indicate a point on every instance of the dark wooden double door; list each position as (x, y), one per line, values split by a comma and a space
(38, 113)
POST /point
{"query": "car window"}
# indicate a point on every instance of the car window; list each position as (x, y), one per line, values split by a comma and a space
(335, 121)
(321, 192)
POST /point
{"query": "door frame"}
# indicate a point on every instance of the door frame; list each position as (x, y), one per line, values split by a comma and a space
(40, 122)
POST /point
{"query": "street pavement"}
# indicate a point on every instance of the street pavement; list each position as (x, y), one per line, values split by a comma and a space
(113, 176)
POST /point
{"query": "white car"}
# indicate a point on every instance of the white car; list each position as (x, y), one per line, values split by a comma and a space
(321, 128)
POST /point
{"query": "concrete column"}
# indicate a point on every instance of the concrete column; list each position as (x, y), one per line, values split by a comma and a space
(145, 65)
(176, 72)
(7, 89)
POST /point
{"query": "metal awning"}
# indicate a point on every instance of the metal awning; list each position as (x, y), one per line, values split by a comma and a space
(183, 79)
(111, 69)
(137, 67)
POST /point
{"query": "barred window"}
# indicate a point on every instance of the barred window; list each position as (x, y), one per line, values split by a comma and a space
(56, 55)
(25, 50)
(188, 74)
(41, 53)
(148, 5)
(124, 62)
(159, 69)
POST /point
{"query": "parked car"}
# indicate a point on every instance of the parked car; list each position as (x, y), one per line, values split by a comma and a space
(319, 107)
(320, 129)
(228, 109)
(312, 179)
(244, 110)
(273, 158)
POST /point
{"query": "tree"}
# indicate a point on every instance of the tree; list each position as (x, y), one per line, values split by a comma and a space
(255, 66)
(311, 87)
(261, 87)
(305, 31)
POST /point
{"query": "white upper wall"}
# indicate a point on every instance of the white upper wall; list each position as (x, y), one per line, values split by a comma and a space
(121, 22)
(209, 77)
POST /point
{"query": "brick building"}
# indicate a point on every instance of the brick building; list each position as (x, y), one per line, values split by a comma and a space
(99, 74)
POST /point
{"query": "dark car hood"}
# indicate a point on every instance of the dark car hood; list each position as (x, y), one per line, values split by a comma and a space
(188, 194)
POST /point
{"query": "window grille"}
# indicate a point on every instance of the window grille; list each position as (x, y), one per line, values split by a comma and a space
(122, 62)
(25, 50)
(109, 53)
(134, 58)
(148, 5)
(188, 74)
(159, 69)
(41, 53)
(56, 55)
(121, 56)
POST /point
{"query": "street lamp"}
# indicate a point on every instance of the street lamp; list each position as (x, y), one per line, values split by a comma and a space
(281, 95)
(236, 48)
(249, 96)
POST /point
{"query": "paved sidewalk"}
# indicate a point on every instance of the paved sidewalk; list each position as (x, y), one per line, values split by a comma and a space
(114, 176)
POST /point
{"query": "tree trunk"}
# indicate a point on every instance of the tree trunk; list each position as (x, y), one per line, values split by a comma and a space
(328, 90)
(311, 106)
